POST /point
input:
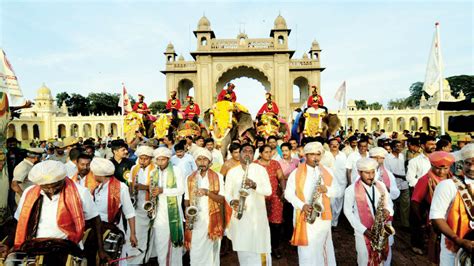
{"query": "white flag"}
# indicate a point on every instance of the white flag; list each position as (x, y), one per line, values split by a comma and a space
(9, 81)
(124, 101)
(435, 67)
(341, 92)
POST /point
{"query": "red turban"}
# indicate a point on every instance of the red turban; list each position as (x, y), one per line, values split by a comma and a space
(441, 158)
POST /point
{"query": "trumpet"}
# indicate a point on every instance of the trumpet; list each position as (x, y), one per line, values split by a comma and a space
(151, 205)
(317, 208)
(243, 191)
(192, 210)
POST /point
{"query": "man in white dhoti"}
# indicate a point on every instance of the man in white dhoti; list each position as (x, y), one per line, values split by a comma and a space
(309, 182)
(168, 221)
(448, 211)
(204, 193)
(139, 183)
(339, 170)
(250, 235)
(361, 201)
(112, 199)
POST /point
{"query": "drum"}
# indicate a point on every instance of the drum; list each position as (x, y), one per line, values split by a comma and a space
(47, 251)
(114, 239)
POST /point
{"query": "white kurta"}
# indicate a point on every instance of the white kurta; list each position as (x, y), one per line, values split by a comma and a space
(394, 191)
(161, 230)
(320, 248)
(47, 224)
(417, 167)
(352, 214)
(141, 221)
(339, 170)
(251, 233)
(443, 197)
(351, 164)
(203, 250)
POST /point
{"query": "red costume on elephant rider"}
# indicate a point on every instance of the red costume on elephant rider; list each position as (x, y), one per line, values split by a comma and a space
(268, 107)
(192, 111)
(140, 106)
(173, 105)
(315, 100)
(227, 94)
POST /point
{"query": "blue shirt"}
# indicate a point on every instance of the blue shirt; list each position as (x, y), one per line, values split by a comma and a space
(187, 165)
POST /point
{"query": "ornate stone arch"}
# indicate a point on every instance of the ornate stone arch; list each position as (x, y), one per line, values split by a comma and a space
(243, 70)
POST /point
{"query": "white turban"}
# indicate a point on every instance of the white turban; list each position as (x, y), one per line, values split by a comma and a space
(202, 152)
(366, 164)
(313, 147)
(467, 151)
(378, 151)
(162, 152)
(144, 150)
(102, 167)
(47, 172)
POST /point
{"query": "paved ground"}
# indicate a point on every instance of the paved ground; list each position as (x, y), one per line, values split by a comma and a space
(344, 245)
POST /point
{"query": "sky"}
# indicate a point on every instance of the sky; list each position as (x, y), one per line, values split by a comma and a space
(378, 47)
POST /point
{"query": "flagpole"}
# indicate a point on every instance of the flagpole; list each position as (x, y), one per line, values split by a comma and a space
(441, 79)
(345, 107)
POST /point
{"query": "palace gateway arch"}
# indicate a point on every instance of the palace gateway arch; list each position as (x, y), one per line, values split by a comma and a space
(268, 60)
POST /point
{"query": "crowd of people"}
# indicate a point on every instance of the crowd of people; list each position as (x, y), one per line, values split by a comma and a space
(169, 196)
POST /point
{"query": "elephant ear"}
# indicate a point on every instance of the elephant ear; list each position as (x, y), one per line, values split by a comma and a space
(207, 118)
(245, 123)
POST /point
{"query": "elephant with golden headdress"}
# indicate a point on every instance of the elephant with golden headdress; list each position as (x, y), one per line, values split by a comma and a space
(315, 123)
(270, 125)
(226, 121)
(133, 122)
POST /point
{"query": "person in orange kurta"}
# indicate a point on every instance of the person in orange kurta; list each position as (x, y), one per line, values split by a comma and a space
(269, 107)
(448, 213)
(192, 111)
(315, 100)
(227, 94)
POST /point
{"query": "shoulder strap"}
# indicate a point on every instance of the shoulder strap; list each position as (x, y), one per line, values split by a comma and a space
(466, 197)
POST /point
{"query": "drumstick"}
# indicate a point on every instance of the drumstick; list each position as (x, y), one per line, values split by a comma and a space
(126, 258)
(3, 241)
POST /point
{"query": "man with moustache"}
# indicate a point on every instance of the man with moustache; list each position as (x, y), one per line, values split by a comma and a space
(250, 235)
(20, 180)
(120, 159)
(360, 204)
(449, 213)
(351, 169)
(420, 165)
(84, 175)
(314, 241)
(204, 190)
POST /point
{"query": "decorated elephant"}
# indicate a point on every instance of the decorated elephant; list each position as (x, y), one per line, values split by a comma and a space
(269, 125)
(132, 122)
(227, 121)
(315, 123)
(163, 126)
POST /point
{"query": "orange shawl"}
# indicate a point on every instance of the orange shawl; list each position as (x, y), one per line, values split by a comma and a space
(70, 216)
(458, 220)
(216, 223)
(113, 201)
(89, 183)
(135, 170)
(300, 237)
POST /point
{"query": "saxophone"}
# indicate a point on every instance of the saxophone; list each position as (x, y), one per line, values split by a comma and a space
(150, 206)
(317, 208)
(133, 191)
(192, 210)
(243, 191)
(380, 229)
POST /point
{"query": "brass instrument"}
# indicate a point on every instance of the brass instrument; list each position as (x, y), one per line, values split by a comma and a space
(150, 206)
(317, 207)
(133, 191)
(243, 191)
(381, 230)
(464, 257)
(192, 210)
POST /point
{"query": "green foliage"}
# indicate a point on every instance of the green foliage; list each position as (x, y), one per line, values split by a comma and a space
(78, 104)
(61, 97)
(363, 105)
(157, 106)
(464, 83)
(104, 103)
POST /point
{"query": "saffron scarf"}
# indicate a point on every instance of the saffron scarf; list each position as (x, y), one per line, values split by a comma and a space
(70, 216)
(458, 220)
(89, 183)
(113, 200)
(300, 237)
(216, 222)
(367, 219)
(135, 170)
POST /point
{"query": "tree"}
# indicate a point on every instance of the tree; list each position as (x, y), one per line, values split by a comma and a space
(361, 104)
(78, 104)
(464, 83)
(61, 97)
(104, 103)
(398, 103)
(375, 106)
(157, 106)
